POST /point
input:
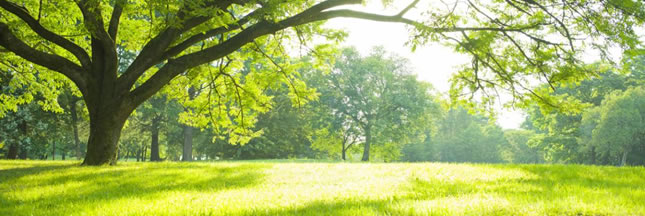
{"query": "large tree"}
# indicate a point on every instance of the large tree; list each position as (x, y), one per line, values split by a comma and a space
(81, 39)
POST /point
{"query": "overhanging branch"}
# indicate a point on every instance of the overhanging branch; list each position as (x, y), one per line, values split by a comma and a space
(317, 12)
(175, 50)
(53, 62)
(154, 52)
(34, 24)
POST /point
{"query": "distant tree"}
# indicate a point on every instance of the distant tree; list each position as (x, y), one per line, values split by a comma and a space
(152, 115)
(31, 133)
(564, 131)
(285, 130)
(421, 151)
(188, 131)
(619, 124)
(72, 107)
(518, 149)
(380, 97)
(465, 137)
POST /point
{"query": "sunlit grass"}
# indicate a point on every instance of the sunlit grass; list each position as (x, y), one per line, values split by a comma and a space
(308, 188)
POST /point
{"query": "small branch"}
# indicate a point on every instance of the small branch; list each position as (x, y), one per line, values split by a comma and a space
(406, 9)
(175, 50)
(564, 27)
(40, 9)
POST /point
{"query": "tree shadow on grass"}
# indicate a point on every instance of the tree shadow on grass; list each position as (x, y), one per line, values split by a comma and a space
(26, 168)
(70, 185)
(546, 188)
(588, 176)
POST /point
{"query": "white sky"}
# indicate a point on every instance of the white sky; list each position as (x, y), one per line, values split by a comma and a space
(433, 63)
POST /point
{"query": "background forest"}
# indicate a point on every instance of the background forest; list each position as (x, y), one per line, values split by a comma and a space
(359, 107)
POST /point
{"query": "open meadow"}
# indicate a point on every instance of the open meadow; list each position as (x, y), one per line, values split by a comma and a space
(312, 188)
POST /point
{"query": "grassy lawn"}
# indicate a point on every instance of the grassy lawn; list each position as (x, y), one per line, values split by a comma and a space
(284, 188)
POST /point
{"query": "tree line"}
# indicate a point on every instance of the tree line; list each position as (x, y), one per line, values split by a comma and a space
(116, 55)
(361, 107)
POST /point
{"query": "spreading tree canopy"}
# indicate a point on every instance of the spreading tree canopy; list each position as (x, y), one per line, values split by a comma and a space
(511, 42)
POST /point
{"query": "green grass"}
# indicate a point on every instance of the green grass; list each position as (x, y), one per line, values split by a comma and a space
(309, 188)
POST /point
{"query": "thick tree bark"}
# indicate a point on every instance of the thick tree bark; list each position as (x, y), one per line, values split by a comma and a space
(13, 151)
(105, 130)
(366, 147)
(154, 140)
(187, 154)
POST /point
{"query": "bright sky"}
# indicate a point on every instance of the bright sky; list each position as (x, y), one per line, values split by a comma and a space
(433, 63)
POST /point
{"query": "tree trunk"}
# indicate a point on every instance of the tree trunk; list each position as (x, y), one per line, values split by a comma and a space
(54, 150)
(606, 158)
(187, 153)
(366, 147)
(74, 118)
(13, 151)
(344, 153)
(108, 103)
(593, 155)
(23, 153)
(138, 154)
(154, 143)
(23, 150)
(536, 155)
(144, 153)
(623, 161)
(105, 130)
(62, 154)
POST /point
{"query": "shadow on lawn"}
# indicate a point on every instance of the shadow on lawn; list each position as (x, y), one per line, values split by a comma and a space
(92, 186)
(545, 186)
(27, 169)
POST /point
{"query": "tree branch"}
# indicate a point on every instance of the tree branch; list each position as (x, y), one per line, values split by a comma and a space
(154, 52)
(22, 13)
(94, 21)
(116, 17)
(175, 50)
(53, 62)
(406, 9)
(315, 13)
(175, 67)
